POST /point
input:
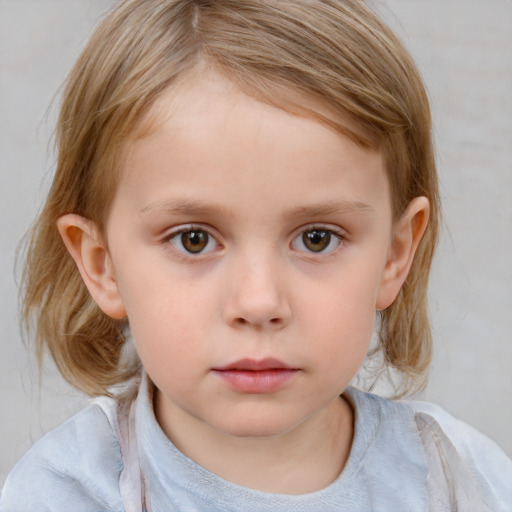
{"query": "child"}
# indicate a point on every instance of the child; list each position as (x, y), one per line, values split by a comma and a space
(241, 186)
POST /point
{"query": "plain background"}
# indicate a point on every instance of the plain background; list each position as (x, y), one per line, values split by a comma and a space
(464, 50)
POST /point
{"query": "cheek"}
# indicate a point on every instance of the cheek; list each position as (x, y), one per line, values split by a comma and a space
(341, 318)
(347, 333)
(173, 322)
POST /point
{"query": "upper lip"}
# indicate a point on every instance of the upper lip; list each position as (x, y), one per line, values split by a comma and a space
(249, 364)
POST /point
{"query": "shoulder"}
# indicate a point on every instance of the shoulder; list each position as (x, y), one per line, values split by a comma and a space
(481, 455)
(469, 441)
(453, 451)
(74, 467)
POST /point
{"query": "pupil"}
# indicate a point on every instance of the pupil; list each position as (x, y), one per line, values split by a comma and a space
(316, 241)
(194, 241)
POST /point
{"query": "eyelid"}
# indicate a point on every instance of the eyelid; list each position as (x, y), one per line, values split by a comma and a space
(334, 230)
(184, 228)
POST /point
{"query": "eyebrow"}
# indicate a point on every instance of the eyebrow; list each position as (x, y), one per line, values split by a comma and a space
(329, 208)
(186, 207)
(193, 208)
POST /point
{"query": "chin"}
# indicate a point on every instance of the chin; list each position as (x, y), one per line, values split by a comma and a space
(258, 427)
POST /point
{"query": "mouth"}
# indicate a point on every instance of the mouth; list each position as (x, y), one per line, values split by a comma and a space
(256, 376)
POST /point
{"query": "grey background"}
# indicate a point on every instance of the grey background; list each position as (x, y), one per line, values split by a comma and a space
(464, 49)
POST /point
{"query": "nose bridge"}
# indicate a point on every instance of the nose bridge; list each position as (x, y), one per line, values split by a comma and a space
(258, 293)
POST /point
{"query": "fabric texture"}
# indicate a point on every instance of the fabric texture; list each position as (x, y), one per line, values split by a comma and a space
(406, 456)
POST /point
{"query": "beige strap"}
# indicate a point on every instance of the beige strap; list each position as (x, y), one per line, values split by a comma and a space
(132, 485)
(451, 485)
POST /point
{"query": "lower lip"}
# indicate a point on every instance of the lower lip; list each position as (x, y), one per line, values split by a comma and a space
(261, 381)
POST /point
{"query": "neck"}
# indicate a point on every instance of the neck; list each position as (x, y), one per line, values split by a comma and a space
(304, 460)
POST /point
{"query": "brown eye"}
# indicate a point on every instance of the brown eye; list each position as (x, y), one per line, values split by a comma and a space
(194, 241)
(316, 240)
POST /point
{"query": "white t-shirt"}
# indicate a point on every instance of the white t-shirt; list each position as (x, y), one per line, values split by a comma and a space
(406, 456)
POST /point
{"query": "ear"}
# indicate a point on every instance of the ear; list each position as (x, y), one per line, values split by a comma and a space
(84, 243)
(407, 234)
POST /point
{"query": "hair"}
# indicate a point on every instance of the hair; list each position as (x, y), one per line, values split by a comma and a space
(337, 53)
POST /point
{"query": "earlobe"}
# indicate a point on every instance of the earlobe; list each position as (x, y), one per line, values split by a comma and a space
(84, 243)
(407, 235)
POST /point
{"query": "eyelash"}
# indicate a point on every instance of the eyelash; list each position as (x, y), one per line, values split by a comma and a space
(175, 235)
(334, 236)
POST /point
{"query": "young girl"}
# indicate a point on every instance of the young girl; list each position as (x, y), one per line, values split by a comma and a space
(242, 189)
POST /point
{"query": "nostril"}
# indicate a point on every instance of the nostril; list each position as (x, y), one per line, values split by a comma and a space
(243, 321)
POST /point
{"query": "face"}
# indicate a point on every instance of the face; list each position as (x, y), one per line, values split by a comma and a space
(250, 249)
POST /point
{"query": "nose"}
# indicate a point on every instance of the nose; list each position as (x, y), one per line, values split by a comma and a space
(257, 296)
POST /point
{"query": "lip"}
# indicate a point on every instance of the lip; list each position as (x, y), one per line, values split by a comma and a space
(256, 365)
(256, 376)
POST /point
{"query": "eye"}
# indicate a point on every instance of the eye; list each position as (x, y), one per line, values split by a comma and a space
(193, 241)
(318, 240)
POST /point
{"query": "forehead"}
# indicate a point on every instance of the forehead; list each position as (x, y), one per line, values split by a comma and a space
(199, 84)
(209, 140)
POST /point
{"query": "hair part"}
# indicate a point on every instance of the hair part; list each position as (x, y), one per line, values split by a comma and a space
(338, 55)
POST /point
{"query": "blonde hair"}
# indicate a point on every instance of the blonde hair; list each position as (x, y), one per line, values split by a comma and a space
(335, 52)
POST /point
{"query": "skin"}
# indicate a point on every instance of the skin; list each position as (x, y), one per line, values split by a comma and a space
(251, 179)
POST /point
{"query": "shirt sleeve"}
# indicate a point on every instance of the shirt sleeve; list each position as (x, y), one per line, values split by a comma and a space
(465, 467)
(75, 467)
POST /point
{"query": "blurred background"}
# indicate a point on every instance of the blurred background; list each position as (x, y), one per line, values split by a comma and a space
(464, 50)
